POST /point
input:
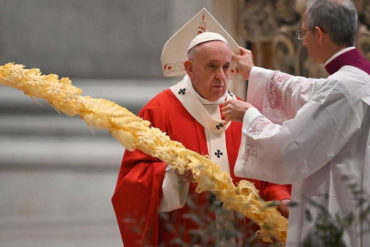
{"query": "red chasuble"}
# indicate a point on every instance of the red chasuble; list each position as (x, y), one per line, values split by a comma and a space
(138, 192)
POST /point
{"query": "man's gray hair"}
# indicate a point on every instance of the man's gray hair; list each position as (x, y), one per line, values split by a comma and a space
(336, 17)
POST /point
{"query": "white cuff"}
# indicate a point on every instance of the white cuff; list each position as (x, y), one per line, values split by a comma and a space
(259, 74)
(258, 80)
(174, 192)
(249, 116)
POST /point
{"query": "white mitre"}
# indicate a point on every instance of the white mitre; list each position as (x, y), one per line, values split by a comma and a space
(203, 27)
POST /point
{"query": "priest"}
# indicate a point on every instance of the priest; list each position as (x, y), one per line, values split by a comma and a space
(320, 141)
(154, 205)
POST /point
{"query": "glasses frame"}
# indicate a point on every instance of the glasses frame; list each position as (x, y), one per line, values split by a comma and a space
(300, 33)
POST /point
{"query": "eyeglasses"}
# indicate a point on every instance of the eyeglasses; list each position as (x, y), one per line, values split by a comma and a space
(300, 33)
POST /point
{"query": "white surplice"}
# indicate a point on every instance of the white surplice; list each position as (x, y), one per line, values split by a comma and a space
(318, 132)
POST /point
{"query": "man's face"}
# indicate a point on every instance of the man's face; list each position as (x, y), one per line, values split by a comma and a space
(208, 69)
(310, 40)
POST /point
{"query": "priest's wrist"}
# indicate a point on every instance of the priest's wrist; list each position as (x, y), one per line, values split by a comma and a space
(245, 73)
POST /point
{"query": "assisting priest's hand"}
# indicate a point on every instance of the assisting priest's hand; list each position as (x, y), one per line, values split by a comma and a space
(244, 62)
(233, 110)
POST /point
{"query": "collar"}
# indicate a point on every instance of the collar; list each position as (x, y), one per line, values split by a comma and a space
(338, 54)
(194, 105)
(350, 57)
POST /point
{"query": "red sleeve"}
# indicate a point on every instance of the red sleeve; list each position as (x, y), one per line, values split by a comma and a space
(272, 192)
(138, 192)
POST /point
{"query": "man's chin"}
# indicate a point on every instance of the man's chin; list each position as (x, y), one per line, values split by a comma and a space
(217, 95)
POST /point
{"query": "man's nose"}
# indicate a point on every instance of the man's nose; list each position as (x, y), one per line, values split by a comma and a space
(221, 74)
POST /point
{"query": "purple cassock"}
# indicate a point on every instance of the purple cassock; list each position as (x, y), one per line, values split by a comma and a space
(351, 58)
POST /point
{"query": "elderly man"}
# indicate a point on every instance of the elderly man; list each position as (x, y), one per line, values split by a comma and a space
(322, 144)
(150, 197)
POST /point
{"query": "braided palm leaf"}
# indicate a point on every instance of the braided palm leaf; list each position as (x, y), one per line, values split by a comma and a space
(135, 133)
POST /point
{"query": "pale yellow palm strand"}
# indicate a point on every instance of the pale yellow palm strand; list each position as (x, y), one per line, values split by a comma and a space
(135, 133)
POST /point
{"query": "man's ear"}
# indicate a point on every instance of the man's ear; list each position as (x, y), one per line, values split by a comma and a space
(188, 65)
(320, 34)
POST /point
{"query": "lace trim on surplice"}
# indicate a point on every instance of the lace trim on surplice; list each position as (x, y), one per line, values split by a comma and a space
(251, 148)
(257, 125)
(273, 91)
(255, 128)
